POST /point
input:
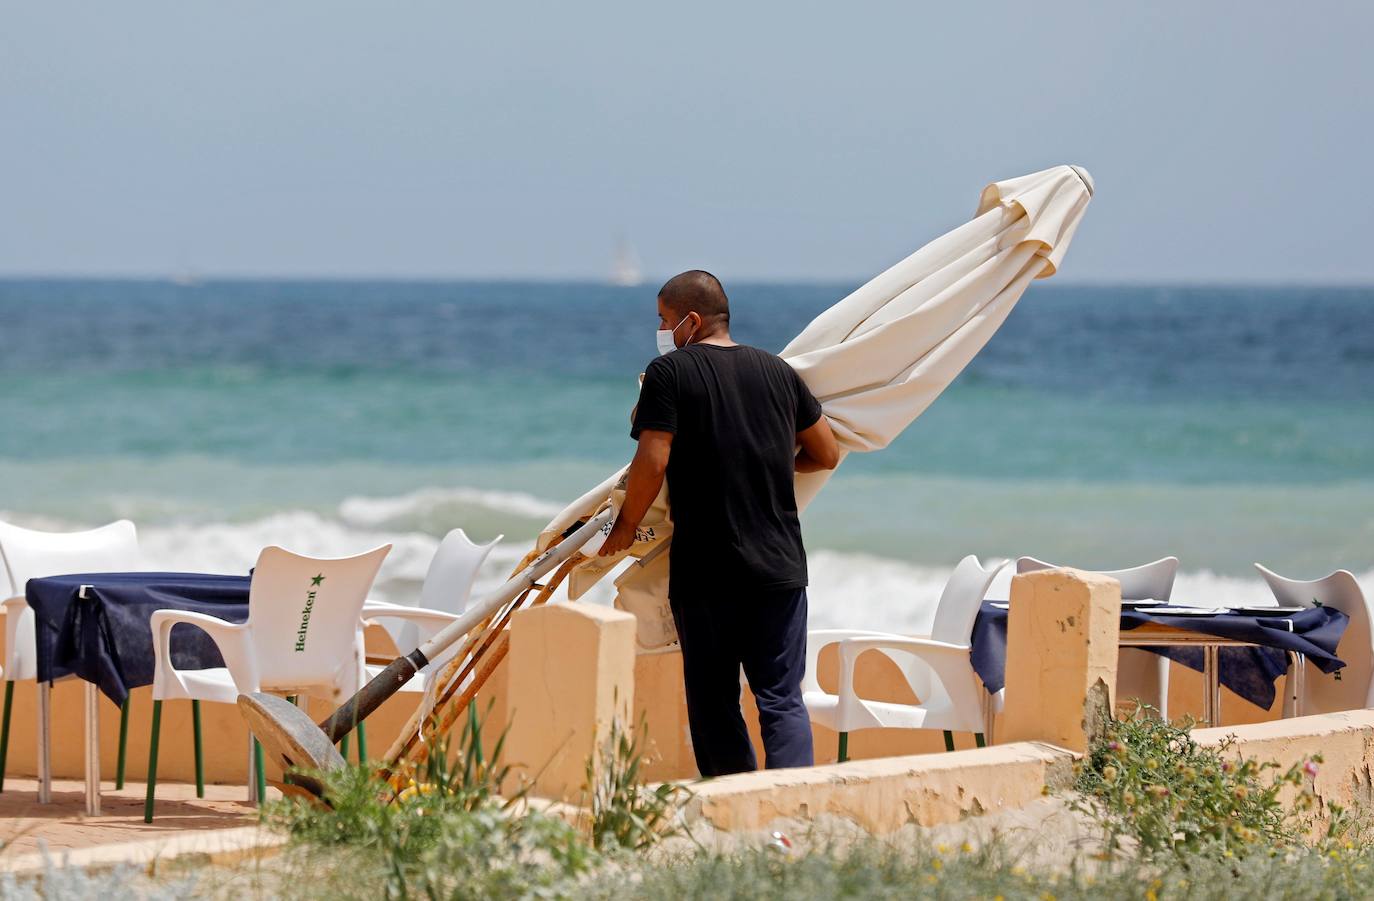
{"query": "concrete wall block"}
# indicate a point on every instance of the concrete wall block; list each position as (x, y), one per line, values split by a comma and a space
(571, 673)
(1062, 634)
(886, 794)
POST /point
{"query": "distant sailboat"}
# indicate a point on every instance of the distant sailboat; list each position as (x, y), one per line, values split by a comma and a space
(184, 278)
(625, 272)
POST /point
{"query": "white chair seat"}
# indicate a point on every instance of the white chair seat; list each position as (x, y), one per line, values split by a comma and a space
(215, 684)
(823, 707)
(870, 715)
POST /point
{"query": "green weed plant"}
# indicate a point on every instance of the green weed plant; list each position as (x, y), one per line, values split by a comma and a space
(1151, 786)
(624, 812)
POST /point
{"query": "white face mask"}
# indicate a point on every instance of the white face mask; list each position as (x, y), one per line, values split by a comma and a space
(664, 338)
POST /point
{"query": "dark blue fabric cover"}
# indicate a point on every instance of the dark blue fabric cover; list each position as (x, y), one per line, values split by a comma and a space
(1248, 671)
(106, 639)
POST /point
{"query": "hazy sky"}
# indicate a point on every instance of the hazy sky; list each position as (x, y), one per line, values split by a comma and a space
(760, 140)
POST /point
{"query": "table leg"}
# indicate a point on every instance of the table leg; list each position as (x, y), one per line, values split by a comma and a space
(1215, 686)
(92, 750)
(1162, 675)
(1211, 702)
(1299, 681)
(44, 742)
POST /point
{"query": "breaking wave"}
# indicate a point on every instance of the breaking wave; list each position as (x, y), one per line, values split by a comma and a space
(871, 589)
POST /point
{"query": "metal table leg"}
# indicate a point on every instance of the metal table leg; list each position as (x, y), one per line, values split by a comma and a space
(1162, 675)
(1299, 681)
(1211, 687)
(1215, 686)
(92, 750)
(44, 742)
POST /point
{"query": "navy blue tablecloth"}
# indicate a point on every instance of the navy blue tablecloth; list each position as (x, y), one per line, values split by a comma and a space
(105, 638)
(1248, 671)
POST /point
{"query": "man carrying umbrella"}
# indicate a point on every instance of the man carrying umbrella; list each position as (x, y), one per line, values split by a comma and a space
(723, 422)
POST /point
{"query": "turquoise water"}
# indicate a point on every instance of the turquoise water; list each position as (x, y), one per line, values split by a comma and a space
(1102, 426)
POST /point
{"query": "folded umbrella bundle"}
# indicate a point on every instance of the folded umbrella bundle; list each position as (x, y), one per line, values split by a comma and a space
(875, 360)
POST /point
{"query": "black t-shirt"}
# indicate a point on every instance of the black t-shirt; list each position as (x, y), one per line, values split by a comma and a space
(734, 413)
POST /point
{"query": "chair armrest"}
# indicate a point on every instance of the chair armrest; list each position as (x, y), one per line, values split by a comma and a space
(21, 653)
(373, 602)
(428, 623)
(232, 640)
(818, 639)
(917, 646)
(922, 648)
(381, 609)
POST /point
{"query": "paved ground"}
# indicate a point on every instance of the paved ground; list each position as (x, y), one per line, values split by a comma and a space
(26, 826)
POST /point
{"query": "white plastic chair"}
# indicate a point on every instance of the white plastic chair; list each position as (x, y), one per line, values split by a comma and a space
(1323, 692)
(1139, 673)
(447, 587)
(30, 554)
(303, 636)
(937, 668)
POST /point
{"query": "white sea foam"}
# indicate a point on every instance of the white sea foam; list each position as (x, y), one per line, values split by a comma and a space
(859, 591)
(846, 590)
(426, 502)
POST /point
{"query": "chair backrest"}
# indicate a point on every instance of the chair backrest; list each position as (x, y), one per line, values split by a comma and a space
(448, 583)
(1148, 582)
(1355, 689)
(306, 617)
(960, 600)
(447, 587)
(31, 554)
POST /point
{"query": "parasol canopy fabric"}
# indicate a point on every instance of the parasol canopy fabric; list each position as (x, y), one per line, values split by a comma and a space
(878, 358)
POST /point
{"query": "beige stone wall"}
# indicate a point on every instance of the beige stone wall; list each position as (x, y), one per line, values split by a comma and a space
(886, 794)
(1345, 742)
(571, 675)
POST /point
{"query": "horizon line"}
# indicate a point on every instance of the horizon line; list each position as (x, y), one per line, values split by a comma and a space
(198, 278)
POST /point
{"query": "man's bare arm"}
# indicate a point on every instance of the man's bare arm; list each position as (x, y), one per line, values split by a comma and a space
(819, 449)
(642, 484)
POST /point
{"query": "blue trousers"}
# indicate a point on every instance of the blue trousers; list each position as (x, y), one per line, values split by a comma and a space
(765, 632)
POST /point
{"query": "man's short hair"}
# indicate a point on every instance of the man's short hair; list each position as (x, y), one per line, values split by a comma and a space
(696, 291)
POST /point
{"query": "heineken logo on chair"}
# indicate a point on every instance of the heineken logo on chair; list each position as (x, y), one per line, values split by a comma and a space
(305, 613)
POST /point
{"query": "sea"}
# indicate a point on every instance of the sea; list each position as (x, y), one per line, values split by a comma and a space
(1103, 426)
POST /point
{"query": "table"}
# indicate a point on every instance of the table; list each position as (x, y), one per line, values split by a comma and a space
(1257, 644)
(95, 626)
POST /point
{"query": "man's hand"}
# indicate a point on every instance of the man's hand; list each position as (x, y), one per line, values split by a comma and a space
(618, 540)
(642, 483)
